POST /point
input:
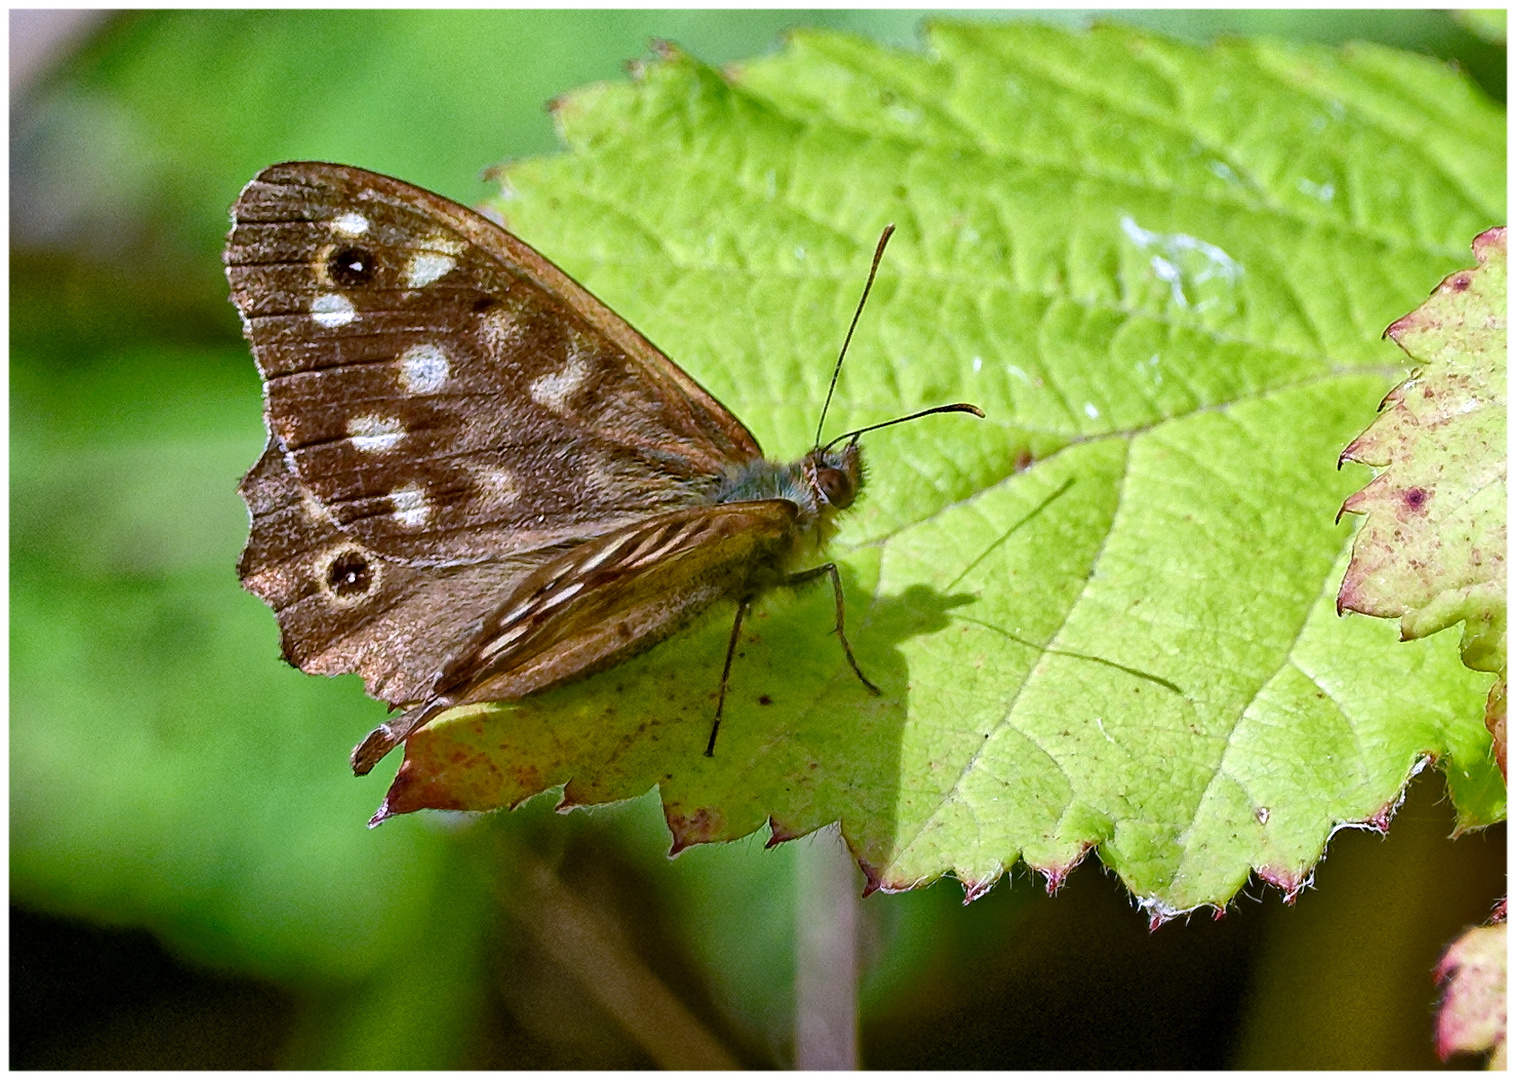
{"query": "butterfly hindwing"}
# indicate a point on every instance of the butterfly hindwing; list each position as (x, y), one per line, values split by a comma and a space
(343, 607)
(599, 603)
(620, 592)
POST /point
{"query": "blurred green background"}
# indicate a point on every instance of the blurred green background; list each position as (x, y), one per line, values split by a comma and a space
(191, 881)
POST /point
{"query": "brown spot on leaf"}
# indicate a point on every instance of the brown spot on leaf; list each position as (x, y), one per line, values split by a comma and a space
(1494, 719)
(1459, 282)
(1416, 498)
(700, 827)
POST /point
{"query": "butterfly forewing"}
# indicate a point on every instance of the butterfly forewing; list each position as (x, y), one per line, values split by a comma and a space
(444, 393)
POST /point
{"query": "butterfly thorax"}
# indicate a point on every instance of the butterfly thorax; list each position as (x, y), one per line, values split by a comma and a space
(820, 485)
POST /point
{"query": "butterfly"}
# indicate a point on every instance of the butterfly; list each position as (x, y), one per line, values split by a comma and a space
(479, 481)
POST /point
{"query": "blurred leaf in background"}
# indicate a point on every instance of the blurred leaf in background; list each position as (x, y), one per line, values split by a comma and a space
(169, 774)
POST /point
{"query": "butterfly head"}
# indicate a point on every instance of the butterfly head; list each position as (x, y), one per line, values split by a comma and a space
(835, 476)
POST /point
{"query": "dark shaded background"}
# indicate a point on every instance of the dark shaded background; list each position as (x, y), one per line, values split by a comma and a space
(191, 884)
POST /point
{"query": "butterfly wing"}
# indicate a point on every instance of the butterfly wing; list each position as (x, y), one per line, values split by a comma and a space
(342, 607)
(447, 411)
(446, 394)
(602, 602)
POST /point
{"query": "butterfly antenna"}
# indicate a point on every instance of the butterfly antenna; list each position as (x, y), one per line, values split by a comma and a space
(884, 238)
(960, 407)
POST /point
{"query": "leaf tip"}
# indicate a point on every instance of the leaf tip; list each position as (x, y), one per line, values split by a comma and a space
(1054, 876)
(1289, 882)
(973, 890)
(873, 881)
(780, 833)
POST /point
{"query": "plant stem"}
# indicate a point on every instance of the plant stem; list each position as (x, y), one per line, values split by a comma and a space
(590, 948)
(826, 954)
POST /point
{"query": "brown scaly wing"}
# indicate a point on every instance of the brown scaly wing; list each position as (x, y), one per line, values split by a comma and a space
(604, 601)
(343, 607)
(444, 393)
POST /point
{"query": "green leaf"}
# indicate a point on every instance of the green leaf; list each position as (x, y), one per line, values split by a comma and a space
(1104, 616)
(1431, 551)
(1488, 23)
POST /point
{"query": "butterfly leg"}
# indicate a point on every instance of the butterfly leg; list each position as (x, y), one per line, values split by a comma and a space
(726, 672)
(831, 569)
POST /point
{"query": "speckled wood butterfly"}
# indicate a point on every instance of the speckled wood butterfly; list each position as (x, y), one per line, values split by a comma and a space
(479, 480)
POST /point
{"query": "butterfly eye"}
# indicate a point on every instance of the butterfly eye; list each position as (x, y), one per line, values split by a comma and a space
(351, 266)
(835, 487)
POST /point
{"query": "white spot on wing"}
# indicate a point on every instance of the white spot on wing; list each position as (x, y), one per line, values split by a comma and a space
(601, 556)
(562, 594)
(678, 538)
(331, 310)
(375, 434)
(426, 267)
(553, 391)
(411, 508)
(600, 478)
(313, 507)
(350, 224)
(423, 369)
(517, 612)
(498, 485)
(502, 641)
(500, 330)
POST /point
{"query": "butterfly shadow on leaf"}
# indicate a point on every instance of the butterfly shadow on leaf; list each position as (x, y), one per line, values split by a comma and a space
(802, 741)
